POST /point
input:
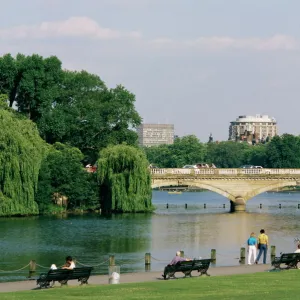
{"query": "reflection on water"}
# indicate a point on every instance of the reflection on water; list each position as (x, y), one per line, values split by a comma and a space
(196, 230)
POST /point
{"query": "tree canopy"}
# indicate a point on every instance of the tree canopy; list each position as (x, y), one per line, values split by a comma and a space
(62, 173)
(75, 112)
(21, 154)
(68, 106)
(84, 121)
(124, 177)
(226, 154)
(281, 152)
(185, 150)
(31, 82)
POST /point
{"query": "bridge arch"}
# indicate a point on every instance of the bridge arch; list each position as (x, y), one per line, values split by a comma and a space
(270, 187)
(237, 190)
(200, 185)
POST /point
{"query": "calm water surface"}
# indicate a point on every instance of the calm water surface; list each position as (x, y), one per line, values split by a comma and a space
(91, 238)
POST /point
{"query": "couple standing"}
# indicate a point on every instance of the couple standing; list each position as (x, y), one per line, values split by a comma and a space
(261, 243)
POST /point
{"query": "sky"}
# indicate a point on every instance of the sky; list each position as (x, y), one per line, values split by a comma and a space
(197, 64)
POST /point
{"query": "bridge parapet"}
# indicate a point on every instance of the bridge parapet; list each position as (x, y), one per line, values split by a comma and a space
(225, 172)
(238, 185)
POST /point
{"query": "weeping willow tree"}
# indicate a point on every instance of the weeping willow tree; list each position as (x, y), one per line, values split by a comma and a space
(125, 182)
(21, 151)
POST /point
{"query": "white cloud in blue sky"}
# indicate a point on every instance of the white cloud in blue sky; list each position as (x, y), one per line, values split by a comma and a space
(195, 63)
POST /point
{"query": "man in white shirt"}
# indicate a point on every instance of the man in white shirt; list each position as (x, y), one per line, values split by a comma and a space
(70, 265)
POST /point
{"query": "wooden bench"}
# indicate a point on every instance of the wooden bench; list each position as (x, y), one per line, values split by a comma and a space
(289, 259)
(62, 275)
(186, 267)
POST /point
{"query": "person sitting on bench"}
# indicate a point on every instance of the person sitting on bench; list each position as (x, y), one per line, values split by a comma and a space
(69, 265)
(178, 258)
(174, 261)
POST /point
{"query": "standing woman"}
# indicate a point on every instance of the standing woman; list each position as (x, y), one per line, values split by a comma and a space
(252, 246)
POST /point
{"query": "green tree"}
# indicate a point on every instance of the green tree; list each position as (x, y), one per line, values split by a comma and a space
(255, 155)
(62, 173)
(226, 154)
(8, 77)
(185, 151)
(31, 82)
(284, 152)
(21, 154)
(74, 108)
(89, 116)
(124, 178)
(161, 156)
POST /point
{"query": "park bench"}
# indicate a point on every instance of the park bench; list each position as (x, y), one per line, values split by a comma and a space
(63, 275)
(186, 267)
(289, 259)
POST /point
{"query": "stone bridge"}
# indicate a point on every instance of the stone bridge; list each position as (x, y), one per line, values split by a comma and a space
(238, 185)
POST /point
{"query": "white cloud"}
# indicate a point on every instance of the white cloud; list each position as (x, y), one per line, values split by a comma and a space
(219, 43)
(84, 27)
(72, 27)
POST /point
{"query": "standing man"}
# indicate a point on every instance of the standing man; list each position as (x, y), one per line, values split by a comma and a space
(263, 242)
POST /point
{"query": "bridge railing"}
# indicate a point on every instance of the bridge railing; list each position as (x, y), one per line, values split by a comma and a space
(228, 172)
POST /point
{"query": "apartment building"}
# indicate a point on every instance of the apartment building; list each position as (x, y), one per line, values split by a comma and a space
(260, 127)
(155, 134)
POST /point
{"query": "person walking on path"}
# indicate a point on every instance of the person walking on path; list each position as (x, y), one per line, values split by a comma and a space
(263, 242)
(252, 246)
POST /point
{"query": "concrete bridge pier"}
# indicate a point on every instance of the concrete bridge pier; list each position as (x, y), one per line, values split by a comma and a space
(238, 205)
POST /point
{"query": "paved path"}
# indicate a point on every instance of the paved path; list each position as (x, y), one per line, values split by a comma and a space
(135, 277)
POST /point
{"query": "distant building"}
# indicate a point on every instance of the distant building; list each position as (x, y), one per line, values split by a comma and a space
(155, 134)
(255, 129)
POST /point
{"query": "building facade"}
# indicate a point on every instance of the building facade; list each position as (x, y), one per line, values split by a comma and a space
(155, 134)
(258, 128)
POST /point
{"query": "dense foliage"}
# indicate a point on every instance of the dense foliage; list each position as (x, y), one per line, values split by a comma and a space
(53, 122)
(125, 183)
(184, 151)
(62, 173)
(69, 107)
(76, 114)
(21, 154)
(281, 152)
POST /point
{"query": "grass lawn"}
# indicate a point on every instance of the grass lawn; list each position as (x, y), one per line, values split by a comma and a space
(269, 285)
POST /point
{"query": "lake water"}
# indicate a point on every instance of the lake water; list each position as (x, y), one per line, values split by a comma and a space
(91, 238)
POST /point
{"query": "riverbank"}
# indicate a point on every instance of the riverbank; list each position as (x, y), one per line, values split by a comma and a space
(137, 277)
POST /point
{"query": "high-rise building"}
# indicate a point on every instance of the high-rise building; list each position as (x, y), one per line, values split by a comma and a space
(248, 128)
(155, 134)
